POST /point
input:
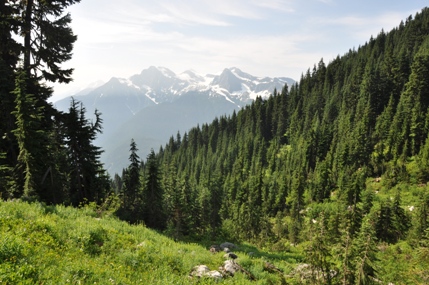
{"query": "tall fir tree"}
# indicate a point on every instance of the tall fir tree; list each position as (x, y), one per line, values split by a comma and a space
(365, 253)
(132, 185)
(153, 195)
(88, 179)
(32, 139)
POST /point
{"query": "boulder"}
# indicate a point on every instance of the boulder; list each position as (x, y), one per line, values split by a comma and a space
(230, 267)
(203, 271)
(199, 271)
(214, 248)
(227, 245)
(214, 274)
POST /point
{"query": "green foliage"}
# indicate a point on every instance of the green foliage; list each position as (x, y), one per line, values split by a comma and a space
(153, 194)
(31, 139)
(46, 155)
(60, 245)
(130, 189)
(88, 181)
(365, 254)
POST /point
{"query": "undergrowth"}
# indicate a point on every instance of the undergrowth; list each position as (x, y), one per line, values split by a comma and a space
(63, 245)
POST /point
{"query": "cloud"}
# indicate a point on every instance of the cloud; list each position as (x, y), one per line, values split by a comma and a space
(360, 28)
(264, 38)
(277, 5)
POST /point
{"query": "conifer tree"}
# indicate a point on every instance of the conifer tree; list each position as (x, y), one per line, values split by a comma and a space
(296, 202)
(88, 181)
(365, 254)
(131, 182)
(173, 202)
(31, 140)
(346, 258)
(423, 161)
(401, 221)
(317, 251)
(35, 39)
(48, 39)
(153, 195)
(421, 218)
(9, 57)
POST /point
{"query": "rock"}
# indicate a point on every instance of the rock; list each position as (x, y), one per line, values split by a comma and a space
(227, 245)
(214, 274)
(230, 255)
(199, 271)
(203, 271)
(230, 267)
(214, 248)
(305, 272)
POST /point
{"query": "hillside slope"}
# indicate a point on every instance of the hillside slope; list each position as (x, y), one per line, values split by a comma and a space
(63, 245)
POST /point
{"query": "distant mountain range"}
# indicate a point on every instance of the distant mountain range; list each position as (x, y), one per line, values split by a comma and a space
(154, 105)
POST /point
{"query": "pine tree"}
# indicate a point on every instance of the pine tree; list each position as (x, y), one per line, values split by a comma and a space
(48, 39)
(423, 161)
(131, 181)
(35, 39)
(173, 202)
(31, 140)
(384, 224)
(365, 254)
(317, 251)
(153, 195)
(9, 57)
(401, 221)
(5, 172)
(88, 181)
(346, 258)
(421, 218)
(296, 202)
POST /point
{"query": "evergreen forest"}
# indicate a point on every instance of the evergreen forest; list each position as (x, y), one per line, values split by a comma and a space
(335, 167)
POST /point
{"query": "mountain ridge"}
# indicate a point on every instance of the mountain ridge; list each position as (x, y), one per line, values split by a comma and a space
(174, 100)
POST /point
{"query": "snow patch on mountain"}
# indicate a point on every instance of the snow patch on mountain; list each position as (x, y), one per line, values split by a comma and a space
(166, 72)
(128, 82)
(159, 85)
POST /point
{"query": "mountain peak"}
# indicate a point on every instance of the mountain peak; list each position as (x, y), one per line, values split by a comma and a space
(166, 72)
(228, 80)
(152, 105)
(191, 76)
(158, 71)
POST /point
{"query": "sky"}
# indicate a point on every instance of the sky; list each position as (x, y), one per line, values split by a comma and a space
(275, 38)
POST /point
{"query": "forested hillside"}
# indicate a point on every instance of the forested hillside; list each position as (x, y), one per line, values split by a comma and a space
(338, 162)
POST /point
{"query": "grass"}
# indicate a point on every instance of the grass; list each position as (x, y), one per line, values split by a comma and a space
(63, 245)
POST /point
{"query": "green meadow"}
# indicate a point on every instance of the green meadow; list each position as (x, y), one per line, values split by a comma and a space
(64, 245)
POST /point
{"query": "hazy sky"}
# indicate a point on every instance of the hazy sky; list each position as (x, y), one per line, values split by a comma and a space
(261, 37)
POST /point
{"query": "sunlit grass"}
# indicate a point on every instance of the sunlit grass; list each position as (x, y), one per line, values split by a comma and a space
(63, 245)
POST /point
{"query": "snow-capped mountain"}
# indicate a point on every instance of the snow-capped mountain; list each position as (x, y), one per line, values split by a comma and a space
(159, 85)
(157, 103)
